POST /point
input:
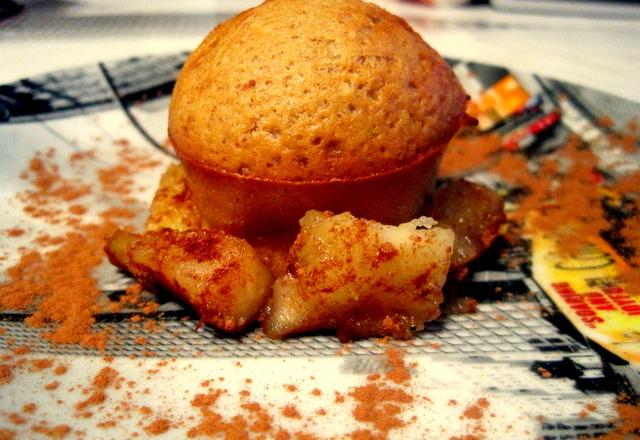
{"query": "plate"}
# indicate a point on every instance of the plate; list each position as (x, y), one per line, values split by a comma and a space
(515, 369)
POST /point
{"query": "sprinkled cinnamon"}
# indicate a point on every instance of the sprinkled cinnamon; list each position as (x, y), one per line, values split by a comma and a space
(59, 431)
(56, 286)
(52, 385)
(17, 419)
(476, 410)
(141, 340)
(466, 153)
(379, 405)
(157, 427)
(29, 408)
(6, 373)
(103, 380)
(77, 209)
(6, 434)
(41, 364)
(569, 198)
(627, 424)
(291, 412)
(398, 373)
(14, 232)
(60, 370)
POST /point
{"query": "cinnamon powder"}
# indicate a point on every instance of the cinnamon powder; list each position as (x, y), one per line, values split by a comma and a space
(565, 189)
(316, 392)
(290, 411)
(379, 405)
(381, 402)
(60, 370)
(290, 387)
(476, 410)
(29, 408)
(57, 285)
(6, 373)
(17, 419)
(60, 285)
(261, 422)
(15, 232)
(52, 385)
(627, 423)
(469, 153)
(56, 432)
(398, 373)
(41, 364)
(157, 427)
(104, 379)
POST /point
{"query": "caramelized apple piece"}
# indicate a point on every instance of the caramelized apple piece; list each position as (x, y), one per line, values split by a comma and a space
(273, 250)
(173, 208)
(474, 212)
(360, 277)
(218, 275)
(172, 205)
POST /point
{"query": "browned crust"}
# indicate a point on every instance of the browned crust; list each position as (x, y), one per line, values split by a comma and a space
(313, 91)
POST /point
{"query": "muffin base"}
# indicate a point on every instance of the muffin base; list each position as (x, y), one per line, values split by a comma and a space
(247, 206)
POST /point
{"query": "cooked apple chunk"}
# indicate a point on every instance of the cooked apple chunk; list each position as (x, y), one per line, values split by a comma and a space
(219, 276)
(474, 212)
(173, 208)
(172, 205)
(360, 277)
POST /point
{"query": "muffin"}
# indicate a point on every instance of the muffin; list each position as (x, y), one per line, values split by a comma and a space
(296, 105)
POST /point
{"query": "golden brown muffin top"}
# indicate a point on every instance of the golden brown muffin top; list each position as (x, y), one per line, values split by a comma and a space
(313, 90)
